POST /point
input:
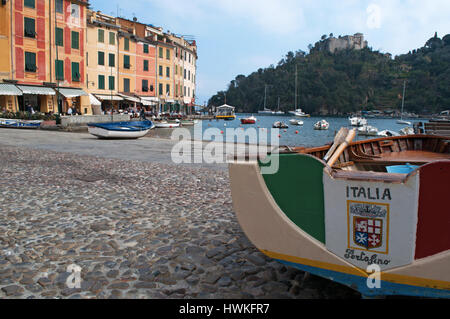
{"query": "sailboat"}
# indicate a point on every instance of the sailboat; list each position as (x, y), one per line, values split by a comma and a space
(297, 112)
(279, 112)
(266, 111)
(401, 121)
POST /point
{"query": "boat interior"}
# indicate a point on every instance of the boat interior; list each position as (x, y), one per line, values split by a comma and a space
(376, 155)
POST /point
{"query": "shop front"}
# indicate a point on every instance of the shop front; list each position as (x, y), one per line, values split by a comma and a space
(36, 99)
(9, 94)
(75, 99)
(109, 102)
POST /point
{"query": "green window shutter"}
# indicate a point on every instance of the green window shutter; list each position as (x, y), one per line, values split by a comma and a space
(111, 82)
(112, 38)
(101, 36)
(30, 62)
(168, 89)
(59, 69)
(144, 85)
(160, 70)
(59, 35)
(75, 40)
(101, 58)
(161, 55)
(145, 65)
(168, 72)
(101, 82)
(29, 3)
(126, 61)
(161, 89)
(76, 77)
(59, 7)
(168, 54)
(29, 28)
(112, 59)
(126, 85)
(126, 44)
(146, 48)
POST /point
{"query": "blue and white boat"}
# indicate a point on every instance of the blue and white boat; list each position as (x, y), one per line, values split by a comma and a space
(124, 130)
(24, 124)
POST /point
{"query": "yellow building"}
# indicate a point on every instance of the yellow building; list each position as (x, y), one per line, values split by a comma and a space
(8, 92)
(165, 70)
(102, 50)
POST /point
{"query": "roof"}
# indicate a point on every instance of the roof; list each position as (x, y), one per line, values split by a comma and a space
(9, 89)
(226, 106)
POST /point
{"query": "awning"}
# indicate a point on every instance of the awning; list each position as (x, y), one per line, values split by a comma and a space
(106, 97)
(149, 100)
(69, 93)
(9, 89)
(36, 90)
(130, 98)
(94, 100)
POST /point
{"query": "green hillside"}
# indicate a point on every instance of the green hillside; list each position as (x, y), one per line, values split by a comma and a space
(348, 81)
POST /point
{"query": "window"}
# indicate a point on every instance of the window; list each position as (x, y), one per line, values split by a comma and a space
(160, 89)
(101, 82)
(29, 4)
(126, 85)
(112, 59)
(145, 48)
(112, 81)
(29, 30)
(144, 85)
(167, 89)
(59, 70)
(59, 37)
(75, 10)
(161, 53)
(101, 58)
(185, 74)
(30, 62)
(189, 75)
(101, 36)
(112, 38)
(126, 44)
(151, 88)
(145, 65)
(168, 72)
(126, 62)
(76, 77)
(75, 40)
(167, 54)
(59, 6)
(160, 70)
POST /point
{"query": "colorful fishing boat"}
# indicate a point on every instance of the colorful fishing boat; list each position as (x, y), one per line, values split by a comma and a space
(121, 130)
(22, 124)
(335, 219)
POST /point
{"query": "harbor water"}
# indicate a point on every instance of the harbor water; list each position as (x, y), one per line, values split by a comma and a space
(304, 135)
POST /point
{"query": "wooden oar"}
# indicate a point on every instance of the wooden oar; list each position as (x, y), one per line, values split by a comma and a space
(351, 135)
(338, 140)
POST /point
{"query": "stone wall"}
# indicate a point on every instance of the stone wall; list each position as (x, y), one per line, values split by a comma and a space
(83, 120)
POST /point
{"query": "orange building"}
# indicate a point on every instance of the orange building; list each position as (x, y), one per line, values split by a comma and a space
(34, 64)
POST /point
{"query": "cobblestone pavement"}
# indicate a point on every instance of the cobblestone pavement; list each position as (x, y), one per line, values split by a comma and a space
(136, 229)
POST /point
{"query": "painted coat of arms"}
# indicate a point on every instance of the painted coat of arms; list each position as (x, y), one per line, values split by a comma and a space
(368, 226)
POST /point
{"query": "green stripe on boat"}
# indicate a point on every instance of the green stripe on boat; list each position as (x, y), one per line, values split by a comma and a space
(297, 188)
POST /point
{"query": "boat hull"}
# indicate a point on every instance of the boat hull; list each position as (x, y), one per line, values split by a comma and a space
(107, 134)
(314, 233)
(167, 125)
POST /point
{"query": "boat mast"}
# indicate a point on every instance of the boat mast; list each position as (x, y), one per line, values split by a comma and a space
(265, 96)
(296, 83)
(403, 99)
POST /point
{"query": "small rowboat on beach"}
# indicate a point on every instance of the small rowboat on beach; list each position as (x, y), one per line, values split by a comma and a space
(333, 213)
(121, 130)
(22, 124)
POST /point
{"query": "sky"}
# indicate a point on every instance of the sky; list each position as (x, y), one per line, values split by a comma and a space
(240, 36)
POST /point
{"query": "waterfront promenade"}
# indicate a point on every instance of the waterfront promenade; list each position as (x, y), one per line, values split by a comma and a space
(136, 224)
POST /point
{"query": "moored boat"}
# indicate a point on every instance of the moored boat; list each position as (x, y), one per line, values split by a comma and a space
(357, 121)
(249, 120)
(367, 130)
(296, 122)
(167, 124)
(322, 125)
(348, 217)
(280, 124)
(121, 130)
